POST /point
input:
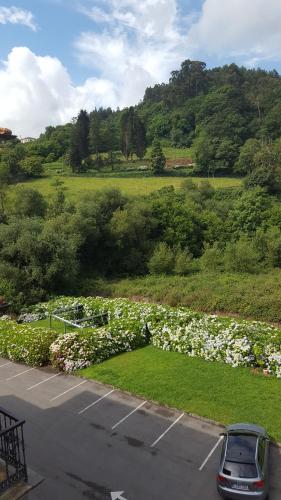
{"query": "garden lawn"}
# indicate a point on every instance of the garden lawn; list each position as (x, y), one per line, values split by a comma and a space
(75, 186)
(58, 326)
(209, 389)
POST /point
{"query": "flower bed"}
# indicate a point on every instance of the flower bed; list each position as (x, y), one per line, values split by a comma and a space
(236, 342)
(25, 344)
(76, 350)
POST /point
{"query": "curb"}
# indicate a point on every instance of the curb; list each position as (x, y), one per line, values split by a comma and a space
(22, 488)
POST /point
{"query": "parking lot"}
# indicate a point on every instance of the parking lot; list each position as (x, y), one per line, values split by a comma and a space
(88, 440)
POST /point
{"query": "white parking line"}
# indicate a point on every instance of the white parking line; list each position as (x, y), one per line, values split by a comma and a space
(167, 430)
(19, 374)
(68, 390)
(5, 364)
(42, 382)
(129, 414)
(211, 453)
(95, 402)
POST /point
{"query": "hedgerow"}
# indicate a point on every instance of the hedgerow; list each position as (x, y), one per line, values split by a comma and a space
(77, 350)
(24, 343)
(131, 325)
(236, 342)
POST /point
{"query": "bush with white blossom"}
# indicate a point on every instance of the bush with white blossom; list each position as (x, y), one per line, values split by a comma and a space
(25, 343)
(76, 350)
(236, 342)
(131, 325)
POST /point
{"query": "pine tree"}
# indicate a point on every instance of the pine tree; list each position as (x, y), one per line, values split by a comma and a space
(127, 132)
(74, 155)
(95, 134)
(133, 134)
(82, 127)
(139, 137)
(158, 158)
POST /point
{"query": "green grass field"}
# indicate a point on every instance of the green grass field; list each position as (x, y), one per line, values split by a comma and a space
(75, 186)
(209, 389)
(172, 153)
(58, 326)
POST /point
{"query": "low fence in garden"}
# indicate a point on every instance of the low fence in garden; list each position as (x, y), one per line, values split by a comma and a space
(80, 323)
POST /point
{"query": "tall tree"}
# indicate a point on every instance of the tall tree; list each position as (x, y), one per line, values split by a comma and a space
(133, 134)
(82, 127)
(158, 159)
(95, 138)
(79, 142)
(127, 132)
(74, 154)
(139, 137)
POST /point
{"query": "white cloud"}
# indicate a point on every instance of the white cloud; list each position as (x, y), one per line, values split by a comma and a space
(249, 30)
(16, 15)
(137, 44)
(140, 44)
(140, 48)
(37, 91)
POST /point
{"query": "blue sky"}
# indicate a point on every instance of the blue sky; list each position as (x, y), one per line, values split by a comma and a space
(58, 56)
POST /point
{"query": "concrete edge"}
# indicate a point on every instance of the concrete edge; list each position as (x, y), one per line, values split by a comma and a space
(22, 488)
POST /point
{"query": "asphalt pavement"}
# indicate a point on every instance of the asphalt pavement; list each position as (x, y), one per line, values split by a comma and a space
(90, 441)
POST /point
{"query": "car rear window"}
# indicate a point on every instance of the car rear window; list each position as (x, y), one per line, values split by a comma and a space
(241, 448)
(238, 469)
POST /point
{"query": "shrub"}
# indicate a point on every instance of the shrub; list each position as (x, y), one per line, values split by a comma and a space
(73, 351)
(238, 343)
(183, 262)
(24, 343)
(242, 256)
(212, 258)
(162, 260)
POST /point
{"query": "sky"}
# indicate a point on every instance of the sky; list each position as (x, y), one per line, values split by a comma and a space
(59, 56)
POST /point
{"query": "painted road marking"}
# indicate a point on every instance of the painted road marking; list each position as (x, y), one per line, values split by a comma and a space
(19, 374)
(167, 430)
(68, 390)
(95, 402)
(211, 453)
(117, 495)
(129, 414)
(42, 382)
(5, 364)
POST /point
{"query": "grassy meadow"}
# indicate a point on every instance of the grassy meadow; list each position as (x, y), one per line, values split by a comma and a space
(75, 186)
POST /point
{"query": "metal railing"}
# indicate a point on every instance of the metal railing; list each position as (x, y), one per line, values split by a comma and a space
(12, 452)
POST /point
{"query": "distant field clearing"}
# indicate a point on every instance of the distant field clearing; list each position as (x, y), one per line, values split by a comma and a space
(132, 186)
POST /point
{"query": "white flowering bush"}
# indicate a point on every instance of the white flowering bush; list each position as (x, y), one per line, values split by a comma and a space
(31, 317)
(235, 342)
(76, 350)
(238, 343)
(24, 343)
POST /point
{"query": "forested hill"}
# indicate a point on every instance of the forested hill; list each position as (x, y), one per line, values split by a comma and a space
(230, 117)
(216, 111)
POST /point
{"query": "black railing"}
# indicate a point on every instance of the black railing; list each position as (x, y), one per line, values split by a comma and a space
(12, 453)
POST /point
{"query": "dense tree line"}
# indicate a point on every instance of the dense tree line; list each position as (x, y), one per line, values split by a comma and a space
(52, 246)
(216, 111)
